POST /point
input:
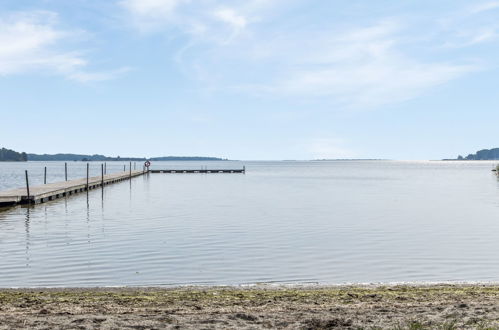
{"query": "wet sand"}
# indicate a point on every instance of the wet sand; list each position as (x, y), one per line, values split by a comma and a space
(349, 307)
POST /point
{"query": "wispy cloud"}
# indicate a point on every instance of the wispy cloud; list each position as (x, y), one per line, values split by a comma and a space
(470, 26)
(204, 20)
(31, 41)
(363, 66)
(84, 77)
(151, 14)
(234, 19)
(486, 6)
(231, 17)
(151, 8)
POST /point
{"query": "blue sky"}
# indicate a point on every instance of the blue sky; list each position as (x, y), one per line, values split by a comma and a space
(253, 79)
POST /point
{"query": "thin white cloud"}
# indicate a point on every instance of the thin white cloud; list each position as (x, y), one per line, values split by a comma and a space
(206, 20)
(361, 67)
(31, 41)
(364, 66)
(483, 7)
(470, 26)
(27, 41)
(231, 17)
(471, 37)
(235, 20)
(151, 8)
(151, 14)
(86, 77)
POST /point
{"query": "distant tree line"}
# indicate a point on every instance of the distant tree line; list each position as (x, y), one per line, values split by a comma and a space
(485, 154)
(7, 155)
(11, 155)
(86, 158)
(77, 157)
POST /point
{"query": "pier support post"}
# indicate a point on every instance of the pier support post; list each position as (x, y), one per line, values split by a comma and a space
(87, 174)
(130, 170)
(45, 175)
(102, 175)
(124, 168)
(105, 168)
(27, 184)
(66, 171)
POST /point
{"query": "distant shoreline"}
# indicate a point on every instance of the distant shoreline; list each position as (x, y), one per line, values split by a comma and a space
(133, 160)
(386, 307)
(9, 155)
(101, 158)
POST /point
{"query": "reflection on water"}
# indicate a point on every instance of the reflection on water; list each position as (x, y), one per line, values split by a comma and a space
(297, 222)
(26, 226)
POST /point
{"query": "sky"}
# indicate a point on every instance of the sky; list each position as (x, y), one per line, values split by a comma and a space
(251, 79)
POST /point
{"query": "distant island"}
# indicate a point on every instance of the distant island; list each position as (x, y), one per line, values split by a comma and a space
(485, 154)
(8, 155)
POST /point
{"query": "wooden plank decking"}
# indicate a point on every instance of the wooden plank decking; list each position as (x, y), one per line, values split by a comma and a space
(51, 191)
(199, 171)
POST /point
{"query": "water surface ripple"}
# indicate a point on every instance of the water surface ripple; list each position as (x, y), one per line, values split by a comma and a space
(281, 222)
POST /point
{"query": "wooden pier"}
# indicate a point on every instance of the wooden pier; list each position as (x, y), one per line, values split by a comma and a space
(205, 171)
(51, 191)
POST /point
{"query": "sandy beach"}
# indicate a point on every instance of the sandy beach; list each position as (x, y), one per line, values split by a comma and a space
(347, 307)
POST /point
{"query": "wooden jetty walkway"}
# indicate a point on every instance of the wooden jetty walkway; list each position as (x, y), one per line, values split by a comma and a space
(243, 170)
(51, 191)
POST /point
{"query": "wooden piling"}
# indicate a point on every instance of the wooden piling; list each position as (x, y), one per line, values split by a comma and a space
(102, 175)
(130, 170)
(66, 171)
(45, 175)
(87, 174)
(27, 183)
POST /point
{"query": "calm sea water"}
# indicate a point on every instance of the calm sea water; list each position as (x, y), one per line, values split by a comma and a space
(281, 222)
